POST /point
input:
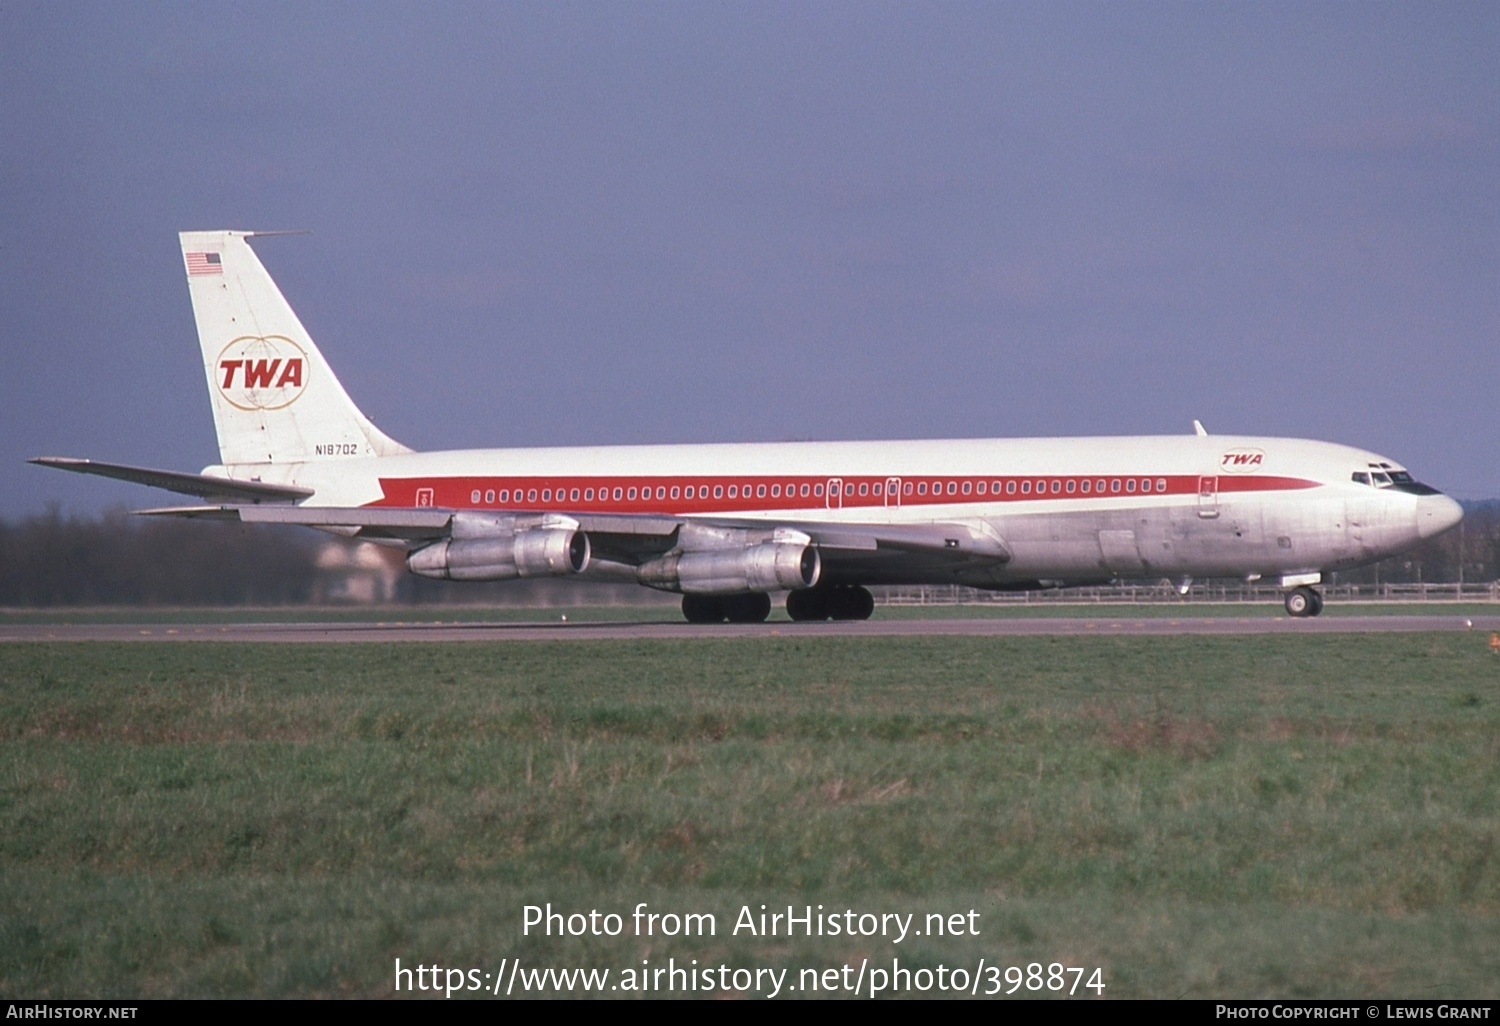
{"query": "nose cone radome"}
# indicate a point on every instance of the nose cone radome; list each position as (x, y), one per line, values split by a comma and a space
(1436, 514)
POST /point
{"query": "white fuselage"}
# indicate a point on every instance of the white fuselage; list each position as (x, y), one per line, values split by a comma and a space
(1066, 509)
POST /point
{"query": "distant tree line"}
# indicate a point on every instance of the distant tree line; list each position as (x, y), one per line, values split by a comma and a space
(119, 559)
(53, 559)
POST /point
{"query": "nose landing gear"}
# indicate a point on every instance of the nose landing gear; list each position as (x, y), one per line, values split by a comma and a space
(1303, 601)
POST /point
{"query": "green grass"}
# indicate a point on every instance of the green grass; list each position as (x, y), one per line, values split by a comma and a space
(1203, 817)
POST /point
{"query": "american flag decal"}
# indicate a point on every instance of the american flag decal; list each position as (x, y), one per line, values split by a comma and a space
(204, 263)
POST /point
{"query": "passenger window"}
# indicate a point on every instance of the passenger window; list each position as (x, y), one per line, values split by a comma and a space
(1071, 485)
(966, 487)
(864, 488)
(588, 495)
(922, 488)
(718, 491)
(760, 491)
(619, 493)
(1010, 488)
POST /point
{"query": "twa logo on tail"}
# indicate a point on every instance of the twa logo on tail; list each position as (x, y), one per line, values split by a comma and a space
(262, 372)
(1241, 461)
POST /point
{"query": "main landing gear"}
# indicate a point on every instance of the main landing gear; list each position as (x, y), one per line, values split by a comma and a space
(833, 602)
(751, 608)
(1304, 601)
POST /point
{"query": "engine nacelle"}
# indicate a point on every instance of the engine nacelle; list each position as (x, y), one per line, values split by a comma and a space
(536, 552)
(770, 566)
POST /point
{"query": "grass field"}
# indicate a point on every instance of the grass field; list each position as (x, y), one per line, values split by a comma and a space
(1197, 817)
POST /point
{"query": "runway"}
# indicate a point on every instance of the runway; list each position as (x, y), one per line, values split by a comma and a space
(1070, 626)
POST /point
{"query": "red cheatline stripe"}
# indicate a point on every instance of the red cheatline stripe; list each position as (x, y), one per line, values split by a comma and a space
(751, 493)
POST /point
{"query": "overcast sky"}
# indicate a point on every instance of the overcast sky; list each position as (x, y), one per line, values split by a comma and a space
(555, 223)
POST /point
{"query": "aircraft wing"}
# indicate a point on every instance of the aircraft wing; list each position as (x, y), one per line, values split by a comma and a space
(853, 550)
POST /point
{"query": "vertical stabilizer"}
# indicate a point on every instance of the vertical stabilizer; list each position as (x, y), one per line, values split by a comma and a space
(275, 398)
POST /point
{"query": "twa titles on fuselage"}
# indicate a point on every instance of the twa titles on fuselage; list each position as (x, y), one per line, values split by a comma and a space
(727, 526)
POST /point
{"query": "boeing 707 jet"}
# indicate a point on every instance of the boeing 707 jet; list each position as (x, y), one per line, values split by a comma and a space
(728, 526)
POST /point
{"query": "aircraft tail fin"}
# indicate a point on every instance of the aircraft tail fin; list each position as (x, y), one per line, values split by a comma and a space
(275, 399)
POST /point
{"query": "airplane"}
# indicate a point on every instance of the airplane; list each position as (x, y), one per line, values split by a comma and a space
(729, 525)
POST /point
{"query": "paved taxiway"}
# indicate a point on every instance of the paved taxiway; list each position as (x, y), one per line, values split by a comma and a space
(1076, 626)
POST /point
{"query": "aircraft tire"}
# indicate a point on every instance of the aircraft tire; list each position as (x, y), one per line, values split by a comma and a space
(703, 608)
(1300, 602)
(1317, 606)
(808, 605)
(751, 608)
(854, 603)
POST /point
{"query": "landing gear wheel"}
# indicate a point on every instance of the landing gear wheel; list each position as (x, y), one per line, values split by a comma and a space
(751, 608)
(808, 605)
(853, 604)
(703, 609)
(1303, 601)
(836, 602)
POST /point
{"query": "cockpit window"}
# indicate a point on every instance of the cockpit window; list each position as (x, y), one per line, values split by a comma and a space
(1391, 478)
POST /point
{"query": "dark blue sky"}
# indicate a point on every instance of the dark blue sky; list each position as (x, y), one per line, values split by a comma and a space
(552, 223)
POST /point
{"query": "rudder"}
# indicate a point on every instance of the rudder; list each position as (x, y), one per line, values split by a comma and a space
(275, 399)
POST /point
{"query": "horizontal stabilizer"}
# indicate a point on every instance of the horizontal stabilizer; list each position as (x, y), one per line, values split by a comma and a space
(203, 486)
